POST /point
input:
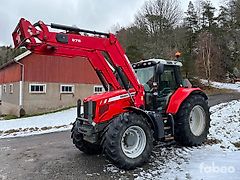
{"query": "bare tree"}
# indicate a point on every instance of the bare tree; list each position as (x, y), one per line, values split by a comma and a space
(204, 55)
(158, 18)
(159, 15)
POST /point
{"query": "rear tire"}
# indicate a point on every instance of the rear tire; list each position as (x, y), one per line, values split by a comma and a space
(82, 145)
(192, 121)
(128, 141)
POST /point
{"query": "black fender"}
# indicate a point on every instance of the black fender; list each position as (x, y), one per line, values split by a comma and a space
(200, 93)
(154, 119)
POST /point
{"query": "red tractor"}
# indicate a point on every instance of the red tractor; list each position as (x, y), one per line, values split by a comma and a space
(143, 102)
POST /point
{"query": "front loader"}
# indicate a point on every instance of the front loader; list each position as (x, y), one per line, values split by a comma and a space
(143, 102)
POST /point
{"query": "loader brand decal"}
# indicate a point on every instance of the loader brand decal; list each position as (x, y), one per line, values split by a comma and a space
(76, 40)
(120, 97)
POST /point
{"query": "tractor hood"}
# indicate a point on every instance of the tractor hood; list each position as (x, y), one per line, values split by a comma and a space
(111, 95)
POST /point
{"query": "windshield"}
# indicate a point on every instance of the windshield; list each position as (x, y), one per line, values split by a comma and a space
(146, 76)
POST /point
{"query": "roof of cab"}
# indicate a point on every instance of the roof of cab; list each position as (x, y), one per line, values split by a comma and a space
(161, 61)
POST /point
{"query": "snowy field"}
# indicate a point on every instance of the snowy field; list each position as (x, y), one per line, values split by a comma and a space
(218, 158)
(219, 85)
(47, 123)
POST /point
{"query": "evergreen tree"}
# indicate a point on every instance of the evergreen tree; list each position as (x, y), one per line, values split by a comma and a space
(208, 21)
(191, 26)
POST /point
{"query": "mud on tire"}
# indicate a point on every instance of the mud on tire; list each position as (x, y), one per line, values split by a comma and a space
(128, 141)
(186, 132)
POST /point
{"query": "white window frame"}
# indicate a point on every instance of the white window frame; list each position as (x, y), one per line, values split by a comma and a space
(67, 85)
(38, 92)
(4, 88)
(98, 86)
(11, 88)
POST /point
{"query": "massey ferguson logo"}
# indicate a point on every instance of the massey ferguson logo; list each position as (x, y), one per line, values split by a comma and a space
(76, 40)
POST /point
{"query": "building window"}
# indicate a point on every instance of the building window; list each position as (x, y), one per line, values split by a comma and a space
(65, 89)
(98, 89)
(37, 88)
(11, 88)
(4, 88)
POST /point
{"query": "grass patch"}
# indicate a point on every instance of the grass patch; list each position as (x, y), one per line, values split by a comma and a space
(212, 141)
(8, 117)
(237, 144)
(211, 90)
(11, 131)
(50, 112)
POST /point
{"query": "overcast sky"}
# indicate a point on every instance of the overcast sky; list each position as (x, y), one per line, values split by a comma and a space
(98, 15)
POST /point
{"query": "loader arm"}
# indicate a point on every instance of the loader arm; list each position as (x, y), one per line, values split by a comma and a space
(94, 46)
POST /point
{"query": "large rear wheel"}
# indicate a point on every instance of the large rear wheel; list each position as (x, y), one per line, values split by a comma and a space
(192, 121)
(128, 141)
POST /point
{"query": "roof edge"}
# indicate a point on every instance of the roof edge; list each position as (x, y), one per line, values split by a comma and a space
(21, 56)
(16, 59)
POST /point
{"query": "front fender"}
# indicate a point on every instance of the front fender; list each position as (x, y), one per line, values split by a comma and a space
(179, 96)
(154, 119)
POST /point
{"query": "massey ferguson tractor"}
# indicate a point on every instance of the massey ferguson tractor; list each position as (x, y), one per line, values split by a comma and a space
(142, 103)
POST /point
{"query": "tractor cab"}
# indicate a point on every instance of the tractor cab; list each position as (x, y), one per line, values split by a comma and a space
(160, 79)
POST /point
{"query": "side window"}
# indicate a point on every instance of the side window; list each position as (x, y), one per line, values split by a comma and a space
(66, 89)
(98, 89)
(4, 88)
(168, 79)
(37, 88)
(11, 88)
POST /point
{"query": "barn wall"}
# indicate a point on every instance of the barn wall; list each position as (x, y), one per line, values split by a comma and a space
(11, 73)
(53, 99)
(56, 69)
(10, 101)
(53, 71)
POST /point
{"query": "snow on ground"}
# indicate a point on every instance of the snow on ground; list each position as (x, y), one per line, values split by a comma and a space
(219, 158)
(46, 123)
(219, 85)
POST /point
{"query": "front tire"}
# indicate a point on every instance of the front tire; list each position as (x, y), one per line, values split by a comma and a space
(82, 145)
(192, 121)
(128, 141)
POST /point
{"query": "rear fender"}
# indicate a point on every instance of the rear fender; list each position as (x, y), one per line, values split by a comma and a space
(179, 97)
(155, 121)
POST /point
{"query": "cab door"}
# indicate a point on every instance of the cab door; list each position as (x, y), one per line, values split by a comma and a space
(168, 83)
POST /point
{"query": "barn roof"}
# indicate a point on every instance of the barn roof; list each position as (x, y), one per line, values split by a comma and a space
(16, 59)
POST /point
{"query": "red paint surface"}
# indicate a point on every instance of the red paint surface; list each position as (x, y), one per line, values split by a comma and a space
(178, 97)
(10, 74)
(42, 68)
(79, 45)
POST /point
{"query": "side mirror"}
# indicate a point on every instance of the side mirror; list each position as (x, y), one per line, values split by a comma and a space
(160, 69)
(186, 83)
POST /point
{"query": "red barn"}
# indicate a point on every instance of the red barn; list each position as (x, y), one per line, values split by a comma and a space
(34, 83)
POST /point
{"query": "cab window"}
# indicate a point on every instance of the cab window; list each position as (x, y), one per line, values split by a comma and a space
(168, 79)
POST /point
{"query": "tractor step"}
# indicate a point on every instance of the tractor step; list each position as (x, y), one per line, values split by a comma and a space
(169, 138)
(167, 128)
